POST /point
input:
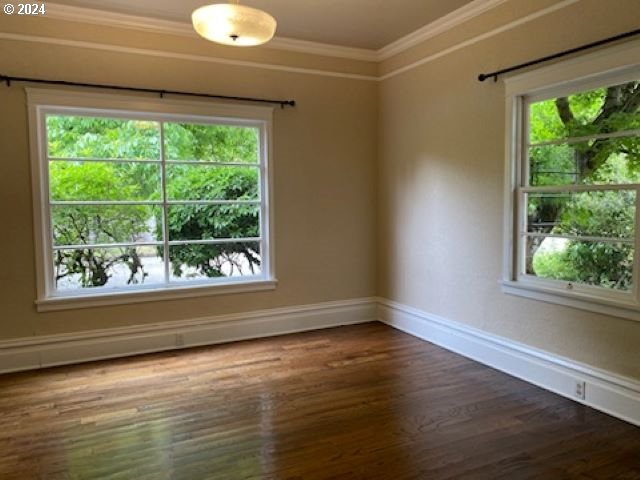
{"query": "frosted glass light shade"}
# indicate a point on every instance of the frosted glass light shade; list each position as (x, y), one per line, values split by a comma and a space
(233, 24)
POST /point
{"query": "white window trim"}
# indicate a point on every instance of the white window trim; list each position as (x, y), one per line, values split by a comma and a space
(42, 101)
(616, 64)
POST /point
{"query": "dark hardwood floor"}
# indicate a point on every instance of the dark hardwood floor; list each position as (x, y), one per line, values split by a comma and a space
(360, 402)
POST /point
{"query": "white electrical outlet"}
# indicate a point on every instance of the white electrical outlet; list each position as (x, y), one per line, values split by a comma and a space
(580, 389)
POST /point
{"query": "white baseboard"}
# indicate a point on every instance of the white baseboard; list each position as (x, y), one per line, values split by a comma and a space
(45, 351)
(605, 391)
(618, 396)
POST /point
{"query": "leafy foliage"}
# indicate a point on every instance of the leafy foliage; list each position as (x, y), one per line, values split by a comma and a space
(217, 143)
(592, 161)
(206, 143)
(90, 137)
(76, 137)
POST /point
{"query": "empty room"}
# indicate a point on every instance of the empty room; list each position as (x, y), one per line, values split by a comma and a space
(320, 239)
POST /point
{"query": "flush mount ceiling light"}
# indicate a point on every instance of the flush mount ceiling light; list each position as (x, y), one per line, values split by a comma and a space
(234, 24)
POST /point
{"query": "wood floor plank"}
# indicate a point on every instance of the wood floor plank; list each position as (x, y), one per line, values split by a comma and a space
(357, 402)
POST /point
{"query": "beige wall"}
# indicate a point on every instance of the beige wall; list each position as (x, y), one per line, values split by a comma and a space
(440, 190)
(324, 162)
(425, 221)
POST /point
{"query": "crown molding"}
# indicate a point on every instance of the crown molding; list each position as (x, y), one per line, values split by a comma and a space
(478, 38)
(180, 56)
(113, 19)
(94, 16)
(325, 49)
(209, 59)
(441, 25)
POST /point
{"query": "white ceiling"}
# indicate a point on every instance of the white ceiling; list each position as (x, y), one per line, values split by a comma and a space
(369, 24)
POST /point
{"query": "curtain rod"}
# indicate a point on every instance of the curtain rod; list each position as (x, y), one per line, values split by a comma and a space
(483, 76)
(283, 103)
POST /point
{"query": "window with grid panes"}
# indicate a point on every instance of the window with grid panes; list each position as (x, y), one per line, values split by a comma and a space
(578, 192)
(141, 201)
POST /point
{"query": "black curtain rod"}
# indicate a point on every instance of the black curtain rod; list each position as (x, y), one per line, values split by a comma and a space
(483, 76)
(283, 103)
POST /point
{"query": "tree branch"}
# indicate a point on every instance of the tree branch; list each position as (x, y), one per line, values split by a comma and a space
(564, 110)
(632, 102)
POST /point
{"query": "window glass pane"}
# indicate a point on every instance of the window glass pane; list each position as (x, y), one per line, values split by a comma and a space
(100, 224)
(107, 268)
(607, 265)
(599, 111)
(208, 222)
(604, 161)
(211, 143)
(197, 262)
(608, 216)
(97, 160)
(96, 137)
(189, 182)
(595, 214)
(94, 181)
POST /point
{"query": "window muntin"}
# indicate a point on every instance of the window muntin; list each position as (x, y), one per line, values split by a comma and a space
(154, 202)
(578, 190)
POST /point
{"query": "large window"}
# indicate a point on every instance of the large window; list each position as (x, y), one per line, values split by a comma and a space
(581, 176)
(577, 186)
(140, 201)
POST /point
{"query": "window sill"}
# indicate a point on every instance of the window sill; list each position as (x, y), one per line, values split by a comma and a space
(150, 295)
(575, 300)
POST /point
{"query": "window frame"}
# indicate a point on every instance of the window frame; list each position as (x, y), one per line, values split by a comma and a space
(608, 66)
(47, 102)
